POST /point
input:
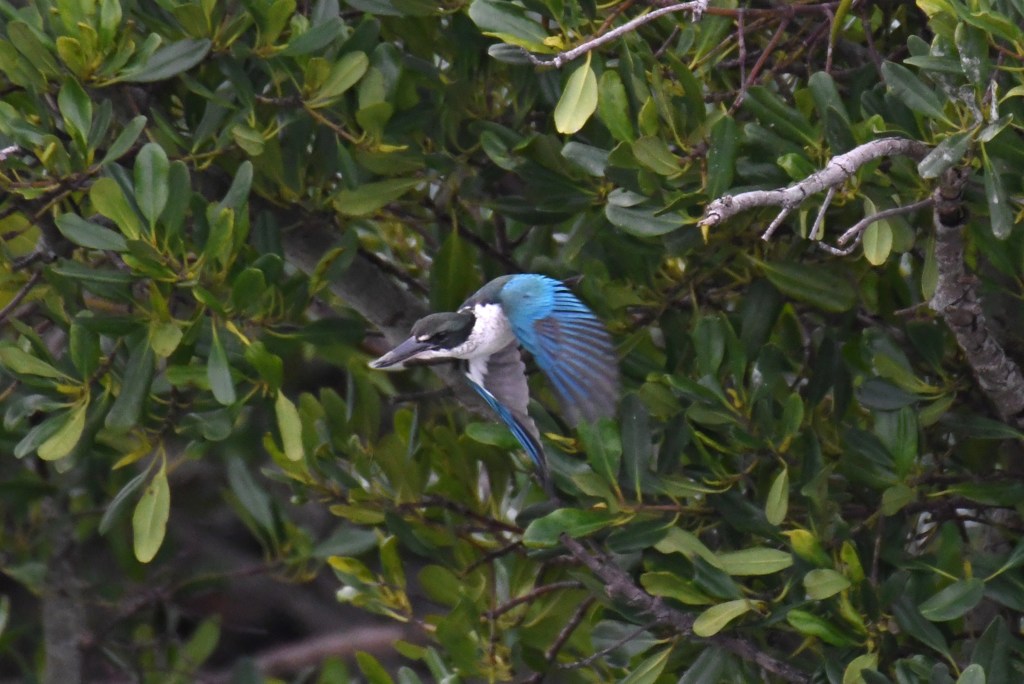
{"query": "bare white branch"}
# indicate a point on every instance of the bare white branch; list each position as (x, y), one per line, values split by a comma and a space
(838, 170)
(818, 229)
(697, 7)
(8, 151)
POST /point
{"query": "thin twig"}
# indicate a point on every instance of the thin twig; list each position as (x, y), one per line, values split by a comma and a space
(697, 7)
(535, 593)
(758, 65)
(20, 295)
(862, 225)
(741, 41)
(594, 657)
(829, 48)
(563, 636)
(817, 230)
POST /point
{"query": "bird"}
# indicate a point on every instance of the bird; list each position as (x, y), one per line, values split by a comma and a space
(540, 314)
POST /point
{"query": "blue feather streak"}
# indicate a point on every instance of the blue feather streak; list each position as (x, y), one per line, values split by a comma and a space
(518, 430)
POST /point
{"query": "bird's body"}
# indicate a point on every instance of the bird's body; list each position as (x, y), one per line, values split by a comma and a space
(568, 342)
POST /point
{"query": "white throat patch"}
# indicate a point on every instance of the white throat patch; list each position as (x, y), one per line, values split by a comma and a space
(491, 333)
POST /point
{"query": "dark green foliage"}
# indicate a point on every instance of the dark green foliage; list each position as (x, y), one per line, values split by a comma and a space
(206, 206)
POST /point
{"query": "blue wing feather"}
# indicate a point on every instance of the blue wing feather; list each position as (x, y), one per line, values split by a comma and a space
(519, 431)
(567, 341)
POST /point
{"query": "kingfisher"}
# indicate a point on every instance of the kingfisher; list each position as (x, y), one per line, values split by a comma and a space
(535, 312)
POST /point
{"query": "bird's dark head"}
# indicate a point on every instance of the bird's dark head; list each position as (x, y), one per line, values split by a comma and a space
(432, 336)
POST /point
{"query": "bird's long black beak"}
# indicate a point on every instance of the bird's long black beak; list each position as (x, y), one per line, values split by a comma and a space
(396, 358)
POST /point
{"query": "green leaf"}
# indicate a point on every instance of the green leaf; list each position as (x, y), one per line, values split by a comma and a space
(780, 118)
(708, 667)
(721, 160)
(344, 74)
(819, 286)
(76, 109)
(441, 585)
(753, 562)
(896, 498)
(452, 276)
(613, 107)
(238, 193)
(953, 601)
(591, 159)
(248, 138)
(1000, 211)
(27, 40)
(18, 361)
(821, 583)
(865, 661)
(164, 338)
(118, 503)
(268, 365)
(84, 348)
(545, 531)
(168, 61)
(509, 22)
(372, 669)
(912, 91)
(202, 643)
(992, 652)
(106, 196)
(714, 619)
(370, 197)
(681, 541)
(913, 623)
(944, 155)
(671, 585)
(877, 242)
(811, 625)
(316, 38)
(578, 101)
(220, 238)
(149, 522)
(218, 372)
(648, 671)
(88, 234)
(972, 674)
(290, 425)
(641, 221)
(255, 502)
(151, 187)
(777, 503)
(138, 374)
(637, 446)
(603, 447)
(652, 152)
(60, 444)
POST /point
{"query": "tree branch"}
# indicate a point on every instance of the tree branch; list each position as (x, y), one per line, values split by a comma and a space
(63, 612)
(619, 586)
(957, 300)
(697, 7)
(838, 170)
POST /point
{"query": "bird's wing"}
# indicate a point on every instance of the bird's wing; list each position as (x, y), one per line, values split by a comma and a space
(501, 380)
(574, 350)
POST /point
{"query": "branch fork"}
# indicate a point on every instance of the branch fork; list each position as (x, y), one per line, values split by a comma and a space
(838, 170)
